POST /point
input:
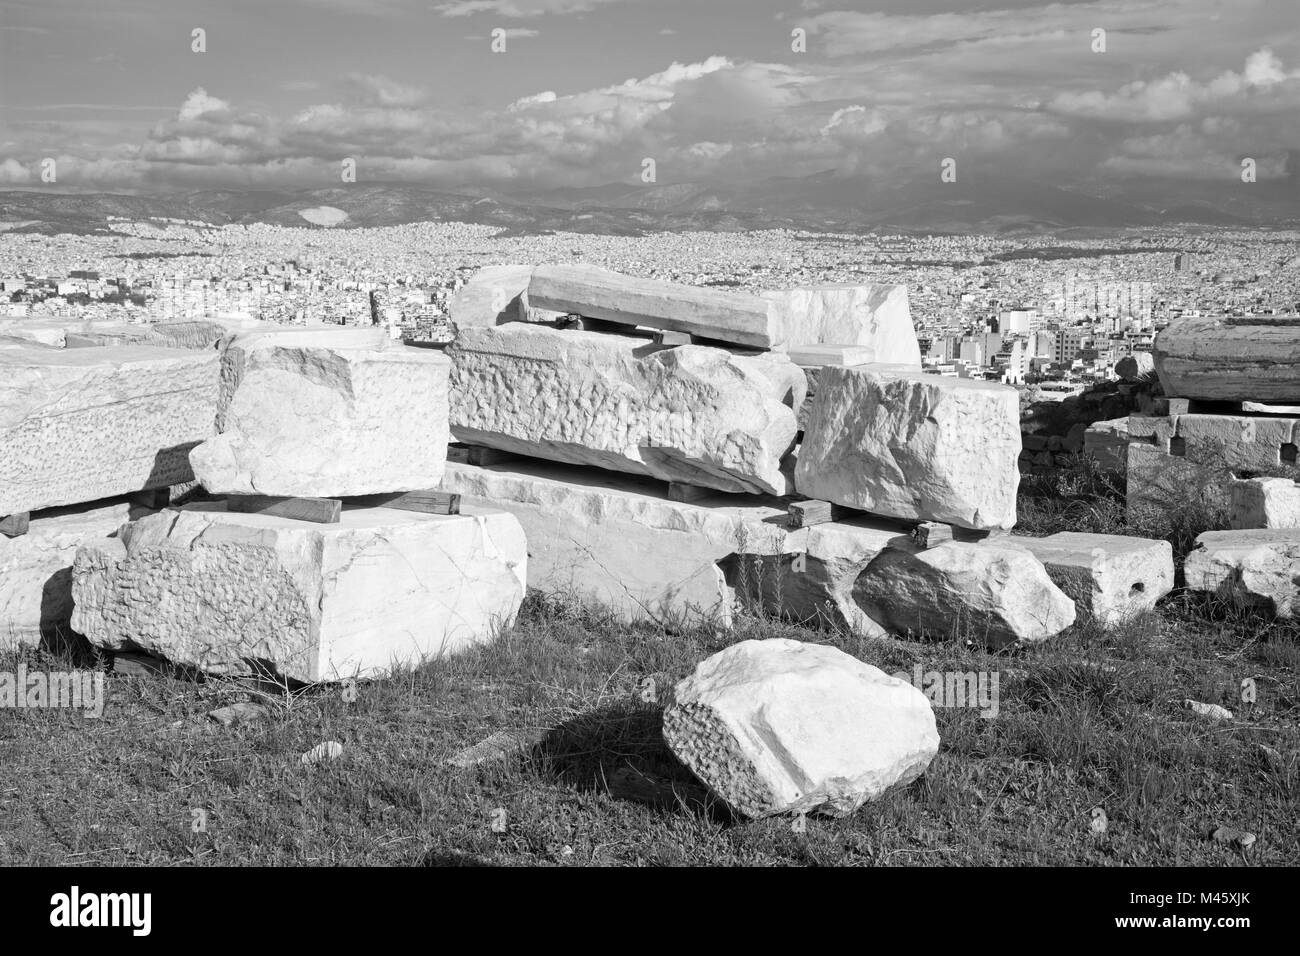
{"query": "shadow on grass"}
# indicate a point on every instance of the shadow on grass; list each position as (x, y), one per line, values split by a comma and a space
(619, 750)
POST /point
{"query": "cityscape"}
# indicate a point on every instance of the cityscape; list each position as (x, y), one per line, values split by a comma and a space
(1024, 311)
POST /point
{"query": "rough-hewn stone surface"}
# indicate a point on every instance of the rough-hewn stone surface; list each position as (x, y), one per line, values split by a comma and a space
(1230, 358)
(1111, 578)
(324, 414)
(1258, 568)
(495, 295)
(914, 446)
(229, 592)
(79, 425)
(781, 726)
(990, 593)
(691, 414)
(1263, 503)
(36, 569)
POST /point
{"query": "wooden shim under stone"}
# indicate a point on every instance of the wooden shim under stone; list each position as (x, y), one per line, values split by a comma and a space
(812, 511)
(13, 526)
(426, 502)
(930, 533)
(317, 510)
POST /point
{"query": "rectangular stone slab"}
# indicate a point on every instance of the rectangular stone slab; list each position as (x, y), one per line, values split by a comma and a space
(324, 414)
(231, 593)
(1230, 358)
(79, 425)
(913, 446)
(618, 542)
(690, 414)
(739, 317)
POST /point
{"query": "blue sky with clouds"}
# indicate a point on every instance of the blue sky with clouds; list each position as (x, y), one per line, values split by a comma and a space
(711, 89)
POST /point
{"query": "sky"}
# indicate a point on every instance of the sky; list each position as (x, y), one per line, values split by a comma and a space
(286, 91)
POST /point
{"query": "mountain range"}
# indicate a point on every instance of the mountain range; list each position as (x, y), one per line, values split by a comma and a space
(826, 202)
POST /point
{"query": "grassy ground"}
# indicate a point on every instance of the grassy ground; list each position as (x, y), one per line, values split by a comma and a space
(1093, 720)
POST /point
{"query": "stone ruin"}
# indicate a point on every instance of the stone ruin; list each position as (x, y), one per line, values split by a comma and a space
(325, 503)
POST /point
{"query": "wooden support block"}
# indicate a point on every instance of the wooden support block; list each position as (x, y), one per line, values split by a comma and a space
(13, 526)
(811, 511)
(318, 510)
(680, 491)
(805, 514)
(930, 533)
(427, 502)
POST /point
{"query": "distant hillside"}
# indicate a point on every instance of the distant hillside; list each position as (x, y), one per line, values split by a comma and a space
(978, 202)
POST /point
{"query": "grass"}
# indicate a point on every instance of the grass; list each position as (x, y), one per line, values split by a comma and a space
(1092, 720)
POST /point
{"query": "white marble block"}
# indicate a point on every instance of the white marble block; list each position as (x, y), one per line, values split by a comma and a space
(876, 318)
(1111, 578)
(78, 425)
(780, 726)
(690, 414)
(326, 414)
(233, 593)
(991, 593)
(914, 446)
(1252, 568)
(1263, 503)
(36, 569)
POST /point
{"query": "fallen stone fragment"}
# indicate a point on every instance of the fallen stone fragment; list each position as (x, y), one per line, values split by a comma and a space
(1252, 568)
(913, 446)
(242, 712)
(689, 414)
(1111, 578)
(1263, 503)
(1230, 358)
(312, 415)
(781, 726)
(499, 747)
(79, 425)
(988, 593)
(323, 753)
(240, 594)
(36, 570)
(1213, 711)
